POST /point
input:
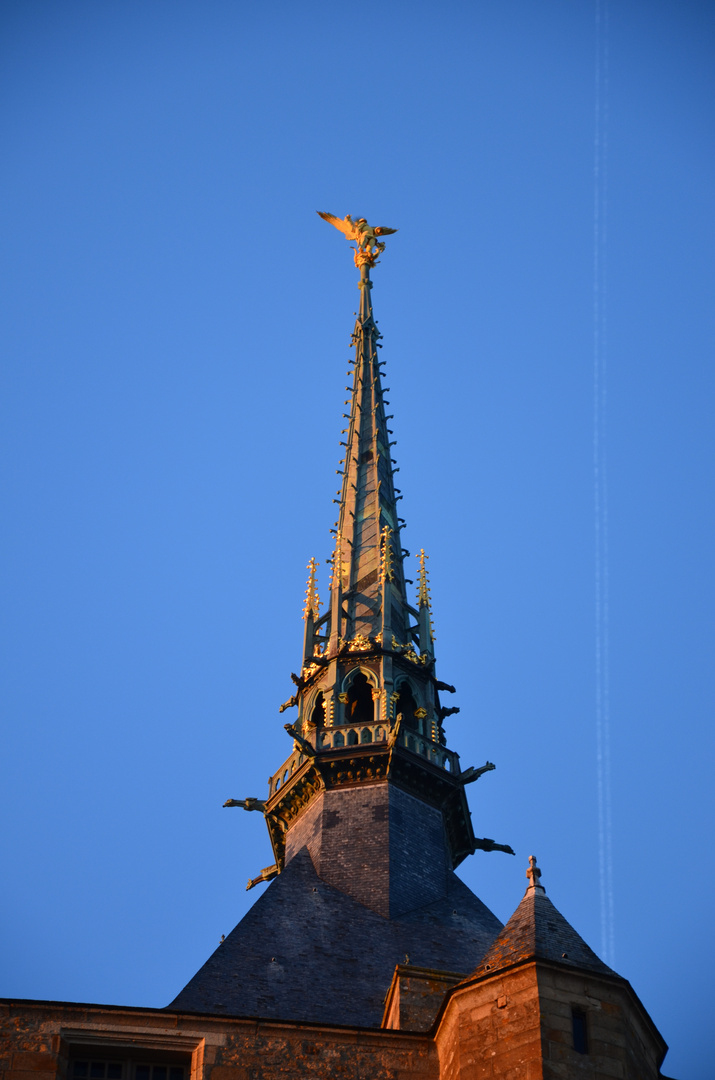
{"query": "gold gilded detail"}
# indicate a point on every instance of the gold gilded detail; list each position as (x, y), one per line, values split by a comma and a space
(343, 699)
(420, 713)
(369, 247)
(340, 568)
(423, 591)
(310, 670)
(360, 643)
(386, 569)
(408, 652)
(312, 600)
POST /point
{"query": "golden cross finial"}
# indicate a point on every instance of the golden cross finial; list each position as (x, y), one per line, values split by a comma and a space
(312, 600)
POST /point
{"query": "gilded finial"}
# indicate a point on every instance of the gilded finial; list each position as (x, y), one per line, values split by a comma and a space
(423, 589)
(312, 600)
(387, 572)
(369, 247)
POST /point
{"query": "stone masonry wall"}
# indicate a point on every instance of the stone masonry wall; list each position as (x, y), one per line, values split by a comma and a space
(492, 1029)
(620, 1043)
(517, 1025)
(36, 1041)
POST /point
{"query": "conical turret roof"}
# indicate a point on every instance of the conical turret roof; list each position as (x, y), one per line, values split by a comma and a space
(537, 931)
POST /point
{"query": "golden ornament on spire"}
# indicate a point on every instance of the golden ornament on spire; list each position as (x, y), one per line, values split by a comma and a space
(387, 572)
(338, 569)
(312, 600)
(369, 248)
(424, 598)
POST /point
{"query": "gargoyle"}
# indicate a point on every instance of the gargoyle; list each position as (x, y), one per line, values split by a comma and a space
(471, 774)
(490, 845)
(293, 700)
(247, 804)
(265, 875)
(444, 712)
(305, 746)
(445, 686)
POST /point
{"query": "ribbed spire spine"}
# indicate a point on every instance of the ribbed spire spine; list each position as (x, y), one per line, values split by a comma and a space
(368, 503)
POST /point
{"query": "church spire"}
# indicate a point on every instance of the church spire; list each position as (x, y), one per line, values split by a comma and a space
(367, 696)
(368, 500)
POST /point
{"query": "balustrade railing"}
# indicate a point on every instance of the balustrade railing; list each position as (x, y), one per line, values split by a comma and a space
(359, 735)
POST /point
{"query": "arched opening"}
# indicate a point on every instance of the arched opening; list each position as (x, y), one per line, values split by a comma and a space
(338, 740)
(359, 708)
(317, 716)
(352, 738)
(406, 706)
(365, 735)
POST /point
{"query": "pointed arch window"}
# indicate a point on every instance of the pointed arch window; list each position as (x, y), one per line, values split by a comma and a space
(406, 706)
(317, 716)
(360, 708)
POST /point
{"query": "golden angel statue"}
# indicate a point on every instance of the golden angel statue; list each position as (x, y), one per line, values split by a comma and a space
(369, 247)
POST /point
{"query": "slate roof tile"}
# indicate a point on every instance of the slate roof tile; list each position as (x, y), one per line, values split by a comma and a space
(306, 951)
(537, 930)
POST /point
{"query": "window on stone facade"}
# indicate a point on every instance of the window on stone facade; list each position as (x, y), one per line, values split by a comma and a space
(578, 1023)
(95, 1069)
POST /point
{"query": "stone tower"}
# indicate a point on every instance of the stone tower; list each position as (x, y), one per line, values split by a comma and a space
(369, 811)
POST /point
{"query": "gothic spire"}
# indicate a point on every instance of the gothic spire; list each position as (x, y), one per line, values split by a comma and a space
(367, 697)
(368, 499)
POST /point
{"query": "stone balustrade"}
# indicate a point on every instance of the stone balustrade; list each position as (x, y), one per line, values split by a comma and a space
(337, 738)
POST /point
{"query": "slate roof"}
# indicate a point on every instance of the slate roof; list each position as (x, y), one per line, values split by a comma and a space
(306, 951)
(537, 930)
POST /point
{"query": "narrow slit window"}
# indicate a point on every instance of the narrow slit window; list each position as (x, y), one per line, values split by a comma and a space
(578, 1022)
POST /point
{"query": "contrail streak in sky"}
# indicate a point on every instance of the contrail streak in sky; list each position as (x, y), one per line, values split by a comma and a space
(600, 486)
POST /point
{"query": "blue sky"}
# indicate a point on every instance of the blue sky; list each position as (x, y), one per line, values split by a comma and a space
(176, 323)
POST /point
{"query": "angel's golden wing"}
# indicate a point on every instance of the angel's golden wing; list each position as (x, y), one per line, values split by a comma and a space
(382, 230)
(345, 226)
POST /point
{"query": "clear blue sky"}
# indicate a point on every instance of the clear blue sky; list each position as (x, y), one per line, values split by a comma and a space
(175, 327)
